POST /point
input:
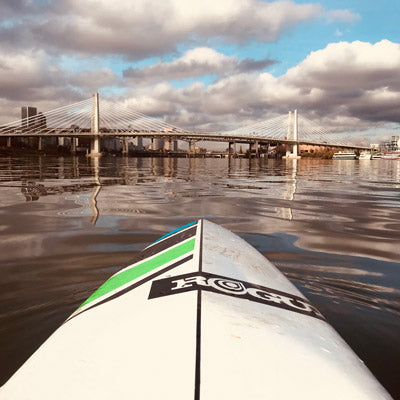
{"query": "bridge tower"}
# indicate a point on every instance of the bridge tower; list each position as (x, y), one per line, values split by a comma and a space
(95, 141)
(295, 135)
(289, 133)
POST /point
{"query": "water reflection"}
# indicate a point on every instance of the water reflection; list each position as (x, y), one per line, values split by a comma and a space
(32, 190)
(341, 284)
(291, 185)
(338, 206)
(68, 223)
(96, 189)
(315, 197)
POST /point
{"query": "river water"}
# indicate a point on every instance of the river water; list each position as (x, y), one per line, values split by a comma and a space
(331, 226)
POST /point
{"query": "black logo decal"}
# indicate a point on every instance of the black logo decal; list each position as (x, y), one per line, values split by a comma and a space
(232, 287)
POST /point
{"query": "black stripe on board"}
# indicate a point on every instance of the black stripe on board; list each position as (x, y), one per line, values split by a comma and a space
(173, 238)
(136, 284)
(166, 243)
(198, 324)
(198, 348)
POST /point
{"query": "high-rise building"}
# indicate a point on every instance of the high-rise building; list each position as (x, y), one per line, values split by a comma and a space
(395, 142)
(26, 116)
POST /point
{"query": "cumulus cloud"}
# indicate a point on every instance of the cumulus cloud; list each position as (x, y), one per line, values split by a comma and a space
(356, 78)
(12, 8)
(346, 86)
(91, 81)
(194, 63)
(142, 28)
(357, 64)
(33, 78)
(30, 75)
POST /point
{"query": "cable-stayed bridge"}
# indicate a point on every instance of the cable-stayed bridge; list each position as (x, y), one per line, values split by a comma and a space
(93, 120)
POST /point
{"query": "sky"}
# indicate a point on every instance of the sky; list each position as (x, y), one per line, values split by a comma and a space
(208, 65)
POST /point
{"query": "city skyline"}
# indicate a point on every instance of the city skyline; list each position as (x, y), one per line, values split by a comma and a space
(208, 65)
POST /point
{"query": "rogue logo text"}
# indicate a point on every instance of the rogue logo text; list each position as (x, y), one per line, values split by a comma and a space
(232, 287)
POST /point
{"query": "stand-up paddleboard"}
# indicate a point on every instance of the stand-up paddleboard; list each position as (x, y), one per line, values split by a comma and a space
(203, 315)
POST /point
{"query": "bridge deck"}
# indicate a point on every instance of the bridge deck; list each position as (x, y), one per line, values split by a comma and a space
(185, 136)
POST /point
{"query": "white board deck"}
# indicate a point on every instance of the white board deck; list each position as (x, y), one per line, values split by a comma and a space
(202, 316)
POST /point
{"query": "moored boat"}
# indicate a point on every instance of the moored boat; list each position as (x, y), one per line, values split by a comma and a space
(365, 155)
(392, 155)
(201, 315)
(376, 156)
(344, 155)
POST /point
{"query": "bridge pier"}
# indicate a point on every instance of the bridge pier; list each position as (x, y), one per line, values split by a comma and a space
(9, 141)
(40, 143)
(192, 148)
(230, 153)
(73, 145)
(254, 147)
(167, 144)
(267, 151)
(125, 146)
(95, 147)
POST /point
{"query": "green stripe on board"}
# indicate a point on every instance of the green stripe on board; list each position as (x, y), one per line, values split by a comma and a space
(135, 272)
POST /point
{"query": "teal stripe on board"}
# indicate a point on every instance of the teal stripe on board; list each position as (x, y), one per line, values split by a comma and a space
(176, 230)
(135, 272)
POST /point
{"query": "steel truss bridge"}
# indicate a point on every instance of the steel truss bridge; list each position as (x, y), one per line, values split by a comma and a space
(91, 120)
